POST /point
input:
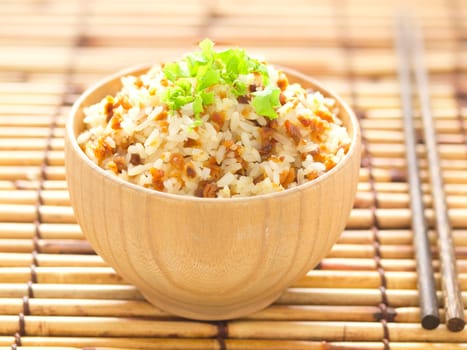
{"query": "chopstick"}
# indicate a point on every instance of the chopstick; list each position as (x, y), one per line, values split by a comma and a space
(429, 313)
(410, 51)
(453, 304)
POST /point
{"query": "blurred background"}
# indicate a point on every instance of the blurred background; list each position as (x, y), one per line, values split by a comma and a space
(44, 39)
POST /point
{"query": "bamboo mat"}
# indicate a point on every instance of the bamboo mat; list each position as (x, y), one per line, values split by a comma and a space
(56, 293)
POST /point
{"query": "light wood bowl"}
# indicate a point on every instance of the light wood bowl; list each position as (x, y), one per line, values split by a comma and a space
(204, 258)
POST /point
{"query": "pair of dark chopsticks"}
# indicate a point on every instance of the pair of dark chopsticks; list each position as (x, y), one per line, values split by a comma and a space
(409, 45)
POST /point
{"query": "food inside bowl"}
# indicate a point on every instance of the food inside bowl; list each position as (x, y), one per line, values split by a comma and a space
(214, 124)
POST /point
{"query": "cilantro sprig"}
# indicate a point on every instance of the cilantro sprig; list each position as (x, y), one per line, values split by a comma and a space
(266, 100)
(196, 73)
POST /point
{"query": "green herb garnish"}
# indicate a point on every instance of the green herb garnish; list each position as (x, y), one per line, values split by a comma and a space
(197, 72)
(266, 100)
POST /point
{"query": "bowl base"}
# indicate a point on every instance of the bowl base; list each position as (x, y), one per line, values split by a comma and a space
(210, 312)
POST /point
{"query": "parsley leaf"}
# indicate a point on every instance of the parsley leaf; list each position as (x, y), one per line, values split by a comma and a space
(198, 71)
(207, 97)
(256, 66)
(207, 51)
(176, 98)
(175, 70)
(206, 79)
(266, 100)
(171, 70)
(197, 106)
(185, 85)
(194, 61)
(239, 88)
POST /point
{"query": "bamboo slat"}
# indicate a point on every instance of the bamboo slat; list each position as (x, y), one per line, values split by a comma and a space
(62, 343)
(329, 331)
(112, 326)
(34, 100)
(29, 88)
(49, 348)
(46, 231)
(366, 279)
(69, 291)
(46, 197)
(126, 308)
(35, 131)
(83, 307)
(28, 213)
(21, 144)
(293, 296)
(369, 264)
(64, 259)
(55, 343)
(92, 275)
(31, 158)
(71, 246)
(212, 344)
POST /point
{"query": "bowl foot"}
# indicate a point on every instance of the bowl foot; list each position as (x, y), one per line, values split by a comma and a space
(211, 312)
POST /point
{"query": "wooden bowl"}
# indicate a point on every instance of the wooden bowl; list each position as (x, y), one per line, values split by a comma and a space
(207, 258)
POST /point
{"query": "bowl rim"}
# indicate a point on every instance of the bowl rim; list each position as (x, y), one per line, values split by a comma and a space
(141, 69)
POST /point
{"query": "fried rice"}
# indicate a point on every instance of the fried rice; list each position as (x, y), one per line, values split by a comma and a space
(229, 149)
